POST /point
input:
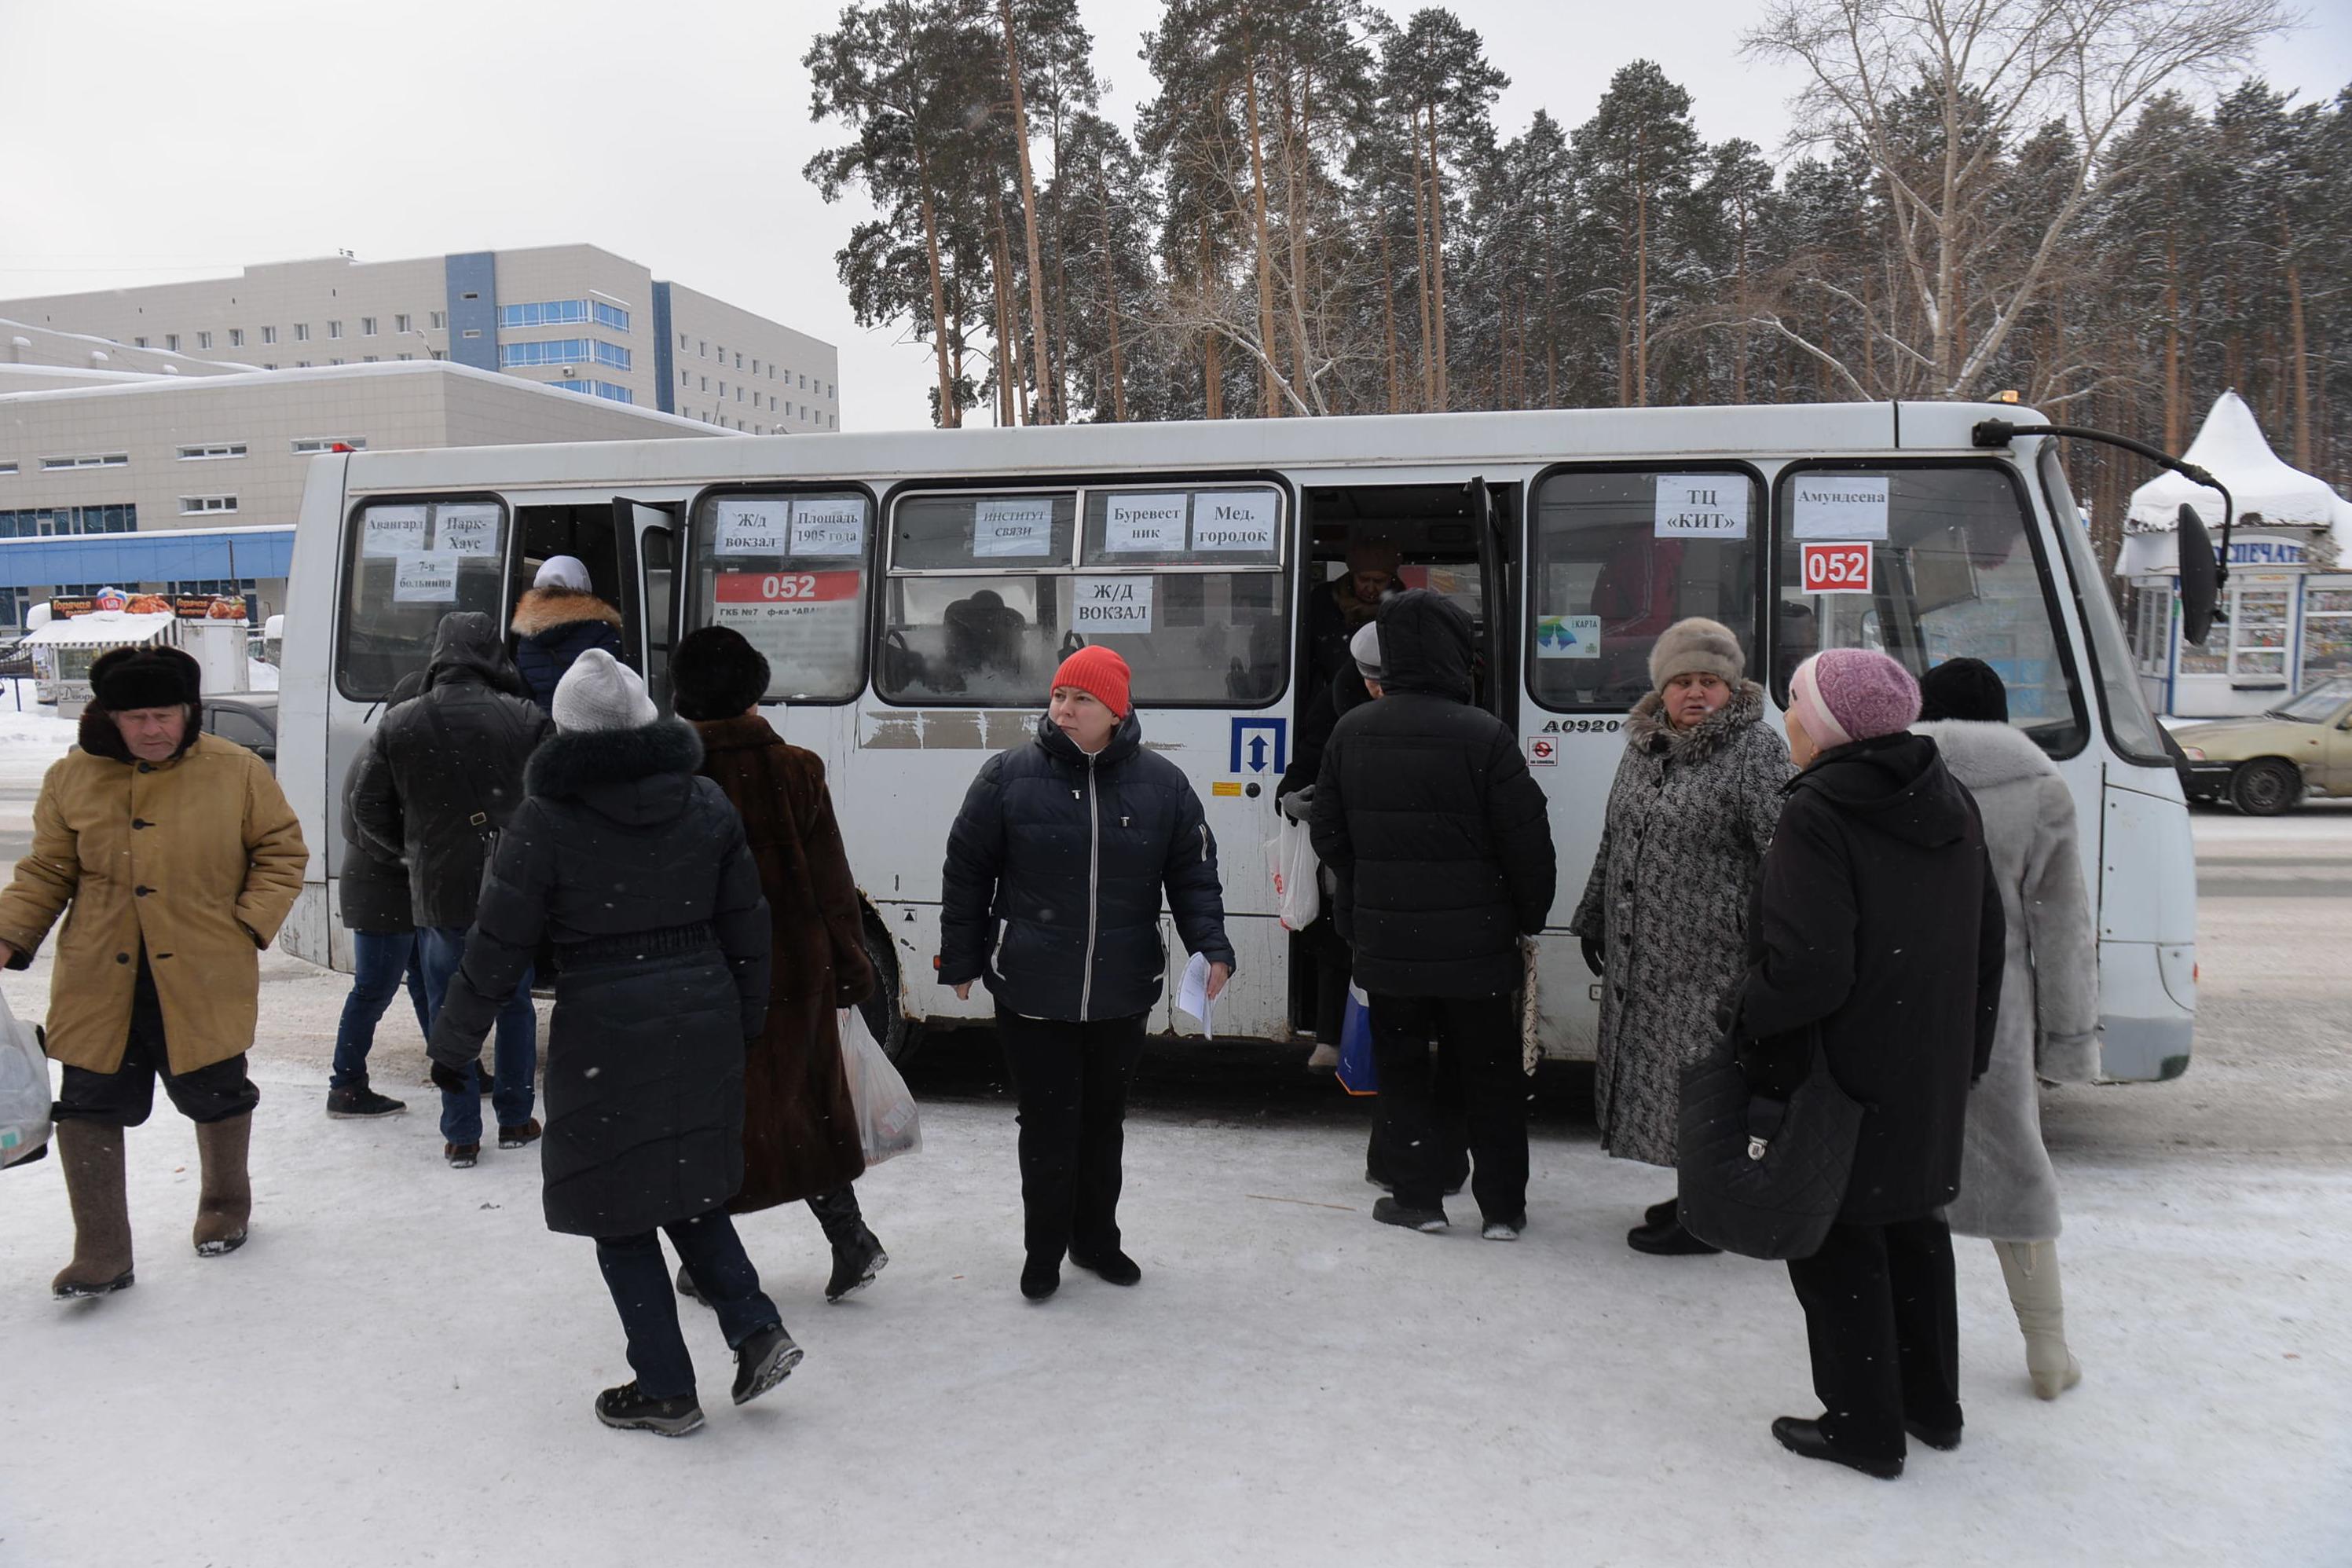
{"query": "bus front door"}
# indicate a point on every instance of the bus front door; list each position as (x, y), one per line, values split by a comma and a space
(646, 535)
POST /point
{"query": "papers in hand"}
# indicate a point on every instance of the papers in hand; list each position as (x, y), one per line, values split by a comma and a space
(1192, 993)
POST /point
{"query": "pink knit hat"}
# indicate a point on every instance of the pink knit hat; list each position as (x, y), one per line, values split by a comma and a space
(1847, 694)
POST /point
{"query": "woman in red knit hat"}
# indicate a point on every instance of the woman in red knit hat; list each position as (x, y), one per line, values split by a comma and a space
(1054, 872)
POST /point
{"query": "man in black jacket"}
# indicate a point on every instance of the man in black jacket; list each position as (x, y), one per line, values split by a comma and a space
(443, 774)
(1440, 844)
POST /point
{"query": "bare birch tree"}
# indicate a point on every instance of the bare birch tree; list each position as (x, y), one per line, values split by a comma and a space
(1993, 70)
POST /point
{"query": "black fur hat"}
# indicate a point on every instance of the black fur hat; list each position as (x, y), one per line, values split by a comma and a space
(127, 677)
(716, 674)
(1964, 689)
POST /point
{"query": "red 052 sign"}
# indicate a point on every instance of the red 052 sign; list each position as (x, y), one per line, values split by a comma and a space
(1838, 568)
(784, 587)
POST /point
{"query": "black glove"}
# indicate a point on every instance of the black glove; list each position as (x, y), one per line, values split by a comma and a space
(454, 1080)
(1593, 954)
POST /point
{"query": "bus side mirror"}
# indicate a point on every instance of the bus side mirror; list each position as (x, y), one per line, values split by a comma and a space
(2199, 577)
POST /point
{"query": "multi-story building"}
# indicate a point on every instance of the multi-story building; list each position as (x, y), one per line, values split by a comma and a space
(192, 483)
(567, 316)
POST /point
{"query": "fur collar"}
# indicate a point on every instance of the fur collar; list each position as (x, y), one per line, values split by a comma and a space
(1981, 755)
(1647, 726)
(571, 764)
(543, 610)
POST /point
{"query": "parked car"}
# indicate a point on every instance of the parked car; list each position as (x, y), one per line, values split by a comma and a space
(249, 718)
(2263, 765)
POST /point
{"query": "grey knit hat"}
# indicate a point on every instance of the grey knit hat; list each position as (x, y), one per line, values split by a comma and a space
(1696, 647)
(600, 692)
(1364, 647)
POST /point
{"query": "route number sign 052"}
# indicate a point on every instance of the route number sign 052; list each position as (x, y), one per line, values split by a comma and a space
(1839, 568)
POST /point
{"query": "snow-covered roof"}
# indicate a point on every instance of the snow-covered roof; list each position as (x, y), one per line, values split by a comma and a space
(100, 628)
(2231, 447)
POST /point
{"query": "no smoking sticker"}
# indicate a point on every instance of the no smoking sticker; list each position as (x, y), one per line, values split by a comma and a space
(1840, 568)
(1543, 751)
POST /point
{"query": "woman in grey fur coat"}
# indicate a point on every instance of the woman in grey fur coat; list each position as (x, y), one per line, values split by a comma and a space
(1664, 914)
(2049, 999)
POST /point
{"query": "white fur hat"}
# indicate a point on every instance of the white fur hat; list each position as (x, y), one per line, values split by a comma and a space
(600, 692)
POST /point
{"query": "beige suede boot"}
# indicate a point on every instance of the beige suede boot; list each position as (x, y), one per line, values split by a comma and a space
(2030, 1268)
(91, 1155)
(226, 1204)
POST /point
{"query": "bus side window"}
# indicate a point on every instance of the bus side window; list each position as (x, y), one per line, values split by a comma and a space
(405, 565)
(788, 571)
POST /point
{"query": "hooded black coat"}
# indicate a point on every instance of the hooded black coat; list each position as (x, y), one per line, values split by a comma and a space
(1054, 875)
(1877, 922)
(639, 872)
(444, 770)
(1425, 813)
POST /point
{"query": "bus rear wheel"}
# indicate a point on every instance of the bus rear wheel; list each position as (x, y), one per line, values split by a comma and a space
(888, 1022)
(2266, 788)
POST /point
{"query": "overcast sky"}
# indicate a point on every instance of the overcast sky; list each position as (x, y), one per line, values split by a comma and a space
(145, 141)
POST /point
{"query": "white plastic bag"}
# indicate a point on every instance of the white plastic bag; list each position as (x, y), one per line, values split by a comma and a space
(23, 1091)
(1298, 888)
(889, 1123)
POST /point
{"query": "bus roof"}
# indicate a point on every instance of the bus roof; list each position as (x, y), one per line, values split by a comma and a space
(1528, 438)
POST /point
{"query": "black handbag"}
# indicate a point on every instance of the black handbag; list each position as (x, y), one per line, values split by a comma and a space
(1760, 1176)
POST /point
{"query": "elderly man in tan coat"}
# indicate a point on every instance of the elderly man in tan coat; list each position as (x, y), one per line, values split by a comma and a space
(179, 857)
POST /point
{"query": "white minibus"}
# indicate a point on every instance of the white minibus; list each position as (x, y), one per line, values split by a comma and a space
(914, 591)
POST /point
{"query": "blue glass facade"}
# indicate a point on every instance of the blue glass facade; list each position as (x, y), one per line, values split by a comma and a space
(613, 390)
(43, 522)
(563, 350)
(563, 313)
(545, 313)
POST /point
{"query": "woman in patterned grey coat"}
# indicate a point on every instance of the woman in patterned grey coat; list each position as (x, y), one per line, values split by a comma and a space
(1664, 913)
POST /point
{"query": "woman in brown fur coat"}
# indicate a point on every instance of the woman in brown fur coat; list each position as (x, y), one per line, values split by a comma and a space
(800, 1134)
(557, 621)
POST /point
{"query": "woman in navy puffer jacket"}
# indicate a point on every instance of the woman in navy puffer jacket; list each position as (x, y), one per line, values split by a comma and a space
(1054, 872)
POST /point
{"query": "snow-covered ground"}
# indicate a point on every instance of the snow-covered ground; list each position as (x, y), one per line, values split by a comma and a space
(398, 1368)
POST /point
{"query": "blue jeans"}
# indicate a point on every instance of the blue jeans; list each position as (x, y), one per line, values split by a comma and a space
(639, 1281)
(516, 1054)
(381, 963)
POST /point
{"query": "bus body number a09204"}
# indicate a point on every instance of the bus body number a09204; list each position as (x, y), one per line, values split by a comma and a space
(784, 587)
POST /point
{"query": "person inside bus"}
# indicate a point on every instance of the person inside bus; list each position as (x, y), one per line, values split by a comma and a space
(559, 619)
(2049, 999)
(1341, 608)
(1663, 916)
(1442, 850)
(800, 1132)
(1876, 943)
(1051, 895)
(982, 634)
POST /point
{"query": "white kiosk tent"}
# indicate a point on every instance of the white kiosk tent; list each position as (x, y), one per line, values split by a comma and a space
(2287, 612)
(64, 647)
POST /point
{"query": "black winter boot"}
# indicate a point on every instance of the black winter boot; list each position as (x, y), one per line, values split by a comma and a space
(631, 1408)
(857, 1255)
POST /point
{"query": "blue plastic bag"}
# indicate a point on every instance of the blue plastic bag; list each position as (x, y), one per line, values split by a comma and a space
(1356, 1075)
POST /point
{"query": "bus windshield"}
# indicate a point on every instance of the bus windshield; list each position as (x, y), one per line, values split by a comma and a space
(990, 591)
(406, 565)
(1926, 563)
